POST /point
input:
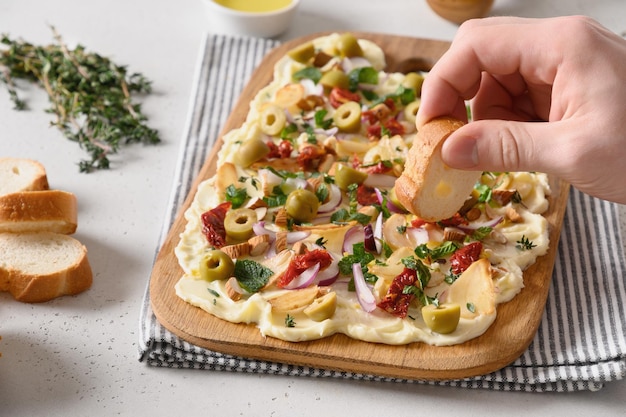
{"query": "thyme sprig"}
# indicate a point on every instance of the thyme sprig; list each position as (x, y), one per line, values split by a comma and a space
(89, 94)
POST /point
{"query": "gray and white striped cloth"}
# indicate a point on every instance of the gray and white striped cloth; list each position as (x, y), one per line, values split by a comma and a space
(581, 342)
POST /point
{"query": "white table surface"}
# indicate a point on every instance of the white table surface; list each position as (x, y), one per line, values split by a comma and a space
(78, 355)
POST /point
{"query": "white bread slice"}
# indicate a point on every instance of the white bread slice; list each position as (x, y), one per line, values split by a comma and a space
(37, 267)
(37, 211)
(21, 175)
(427, 187)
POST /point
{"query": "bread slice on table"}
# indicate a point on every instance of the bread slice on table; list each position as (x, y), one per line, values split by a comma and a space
(35, 211)
(17, 174)
(37, 267)
(427, 187)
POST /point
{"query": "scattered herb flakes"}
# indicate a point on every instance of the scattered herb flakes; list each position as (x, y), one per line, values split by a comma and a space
(471, 307)
(90, 95)
(251, 275)
(524, 244)
(289, 321)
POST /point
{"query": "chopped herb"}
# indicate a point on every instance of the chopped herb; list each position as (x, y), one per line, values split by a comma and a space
(320, 121)
(311, 73)
(342, 216)
(441, 251)
(251, 275)
(524, 244)
(289, 321)
(359, 255)
(481, 233)
(450, 278)
(275, 200)
(322, 192)
(236, 196)
(362, 75)
(484, 193)
(288, 131)
(471, 307)
(321, 242)
(401, 229)
(311, 138)
(422, 271)
(213, 292)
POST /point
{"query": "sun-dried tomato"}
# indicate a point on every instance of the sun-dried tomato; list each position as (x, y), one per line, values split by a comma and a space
(379, 168)
(213, 225)
(366, 196)
(392, 126)
(300, 263)
(309, 157)
(282, 150)
(465, 256)
(417, 222)
(339, 96)
(395, 301)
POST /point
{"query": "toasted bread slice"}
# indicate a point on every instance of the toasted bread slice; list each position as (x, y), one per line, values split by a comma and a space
(38, 211)
(37, 267)
(427, 187)
(21, 175)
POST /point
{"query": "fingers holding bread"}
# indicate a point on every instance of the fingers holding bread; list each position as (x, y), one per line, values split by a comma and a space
(39, 261)
(428, 187)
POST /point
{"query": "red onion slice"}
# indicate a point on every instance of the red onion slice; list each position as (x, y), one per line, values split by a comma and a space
(293, 237)
(234, 284)
(418, 235)
(378, 233)
(329, 275)
(353, 235)
(305, 279)
(363, 293)
(259, 229)
(334, 199)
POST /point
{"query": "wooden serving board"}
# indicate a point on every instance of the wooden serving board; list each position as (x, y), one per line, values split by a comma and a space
(504, 341)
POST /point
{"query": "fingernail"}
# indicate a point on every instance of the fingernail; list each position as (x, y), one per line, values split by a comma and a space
(460, 152)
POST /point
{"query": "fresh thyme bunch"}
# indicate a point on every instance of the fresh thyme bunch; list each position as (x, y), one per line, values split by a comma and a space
(89, 94)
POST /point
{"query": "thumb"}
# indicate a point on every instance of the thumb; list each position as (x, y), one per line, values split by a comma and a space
(499, 145)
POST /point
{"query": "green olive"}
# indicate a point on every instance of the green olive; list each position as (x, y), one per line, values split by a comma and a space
(251, 151)
(414, 80)
(348, 117)
(335, 78)
(345, 175)
(302, 53)
(347, 45)
(322, 308)
(238, 223)
(302, 205)
(410, 111)
(272, 120)
(216, 265)
(442, 319)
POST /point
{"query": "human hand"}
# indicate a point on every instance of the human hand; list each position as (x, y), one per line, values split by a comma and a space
(548, 95)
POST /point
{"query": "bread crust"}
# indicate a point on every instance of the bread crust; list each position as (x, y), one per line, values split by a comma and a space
(30, 211)
(31, 287)
(427, 187)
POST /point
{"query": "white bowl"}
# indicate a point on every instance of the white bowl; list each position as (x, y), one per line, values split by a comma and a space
(258, 24)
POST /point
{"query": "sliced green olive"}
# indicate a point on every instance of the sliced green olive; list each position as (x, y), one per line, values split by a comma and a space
(394, 198)
(302, 53)
(345, 175)
(335, 78)
(410, 111)
(442, 319)
(347, 45)
(302, 205)
(272, 120)
(238, 223)
(348, 117)
(216, 265)
(414, 80)
(251, 151)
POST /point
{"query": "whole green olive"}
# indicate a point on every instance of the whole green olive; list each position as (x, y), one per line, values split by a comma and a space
(345, 175)
(335, 78)
(216, 265)
(414, 80)
(443, 318)
(238, 223)
(348, 117)
(302, 53)
(251, 151)
(302, 205)
(347, 45)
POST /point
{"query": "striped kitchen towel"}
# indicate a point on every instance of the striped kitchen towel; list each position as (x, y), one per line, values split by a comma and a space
(581, 342)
